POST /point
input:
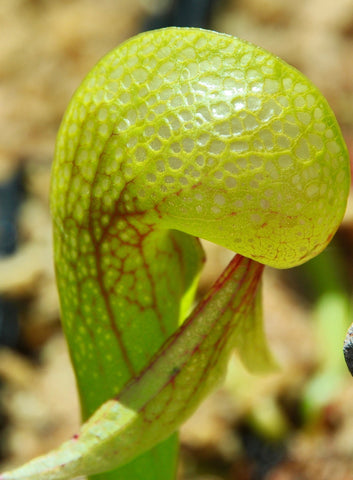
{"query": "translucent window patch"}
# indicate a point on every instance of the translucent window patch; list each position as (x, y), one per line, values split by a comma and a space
(175, 163)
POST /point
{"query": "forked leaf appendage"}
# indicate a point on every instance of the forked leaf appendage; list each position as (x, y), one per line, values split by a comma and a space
(153, 405)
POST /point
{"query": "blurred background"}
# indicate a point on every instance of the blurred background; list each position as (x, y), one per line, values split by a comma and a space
(296, 424)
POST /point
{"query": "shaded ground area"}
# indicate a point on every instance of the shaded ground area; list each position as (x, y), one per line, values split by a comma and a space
(296, 424)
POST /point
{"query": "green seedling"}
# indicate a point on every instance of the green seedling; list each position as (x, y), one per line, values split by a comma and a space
(178, 134)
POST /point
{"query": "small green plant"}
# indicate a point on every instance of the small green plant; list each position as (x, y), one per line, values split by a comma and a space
(178, 134)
